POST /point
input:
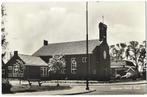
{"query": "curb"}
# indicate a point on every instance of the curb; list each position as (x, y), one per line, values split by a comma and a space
(109, 84)
(78, 93)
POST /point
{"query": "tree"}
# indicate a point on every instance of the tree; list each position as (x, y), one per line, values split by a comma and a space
(121, 50)
(117, 51)
(142, 52)
(113, 52)
(134, 49)
(141, 59)
(137, 54)
(6, 86)
(57, 65)
(4, 43)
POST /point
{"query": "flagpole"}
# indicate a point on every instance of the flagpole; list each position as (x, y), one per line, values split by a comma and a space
(87, 79)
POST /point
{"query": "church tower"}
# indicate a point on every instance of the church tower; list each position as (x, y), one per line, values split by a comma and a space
(102, 32)
(101, 55)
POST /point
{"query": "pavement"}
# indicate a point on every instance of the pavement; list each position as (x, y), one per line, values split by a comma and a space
(123, 83)
(120, 89)
(73, 91)
(79, 88)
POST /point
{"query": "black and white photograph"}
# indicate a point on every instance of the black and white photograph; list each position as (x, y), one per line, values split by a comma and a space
(73, 48)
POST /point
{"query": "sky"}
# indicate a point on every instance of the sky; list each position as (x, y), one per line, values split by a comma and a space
(29, 23)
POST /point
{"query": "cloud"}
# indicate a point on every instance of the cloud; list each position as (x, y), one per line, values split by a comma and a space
(30, 23)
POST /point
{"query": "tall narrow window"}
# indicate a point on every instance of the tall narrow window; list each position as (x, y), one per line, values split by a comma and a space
(44, 71)
(73, 66)
(41, 71)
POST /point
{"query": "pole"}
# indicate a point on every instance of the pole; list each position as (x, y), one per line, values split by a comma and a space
(87, 83)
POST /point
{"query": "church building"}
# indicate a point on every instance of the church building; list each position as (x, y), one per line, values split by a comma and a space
(76, 59)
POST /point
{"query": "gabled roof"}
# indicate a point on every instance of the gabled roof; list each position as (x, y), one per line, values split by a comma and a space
(32, 60)
(67, 48)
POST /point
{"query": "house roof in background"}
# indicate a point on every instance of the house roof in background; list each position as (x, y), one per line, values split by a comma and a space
(118, 64)
(67, 48)
(32, 60)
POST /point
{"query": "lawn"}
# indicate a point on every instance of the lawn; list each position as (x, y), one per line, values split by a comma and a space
(36, 88)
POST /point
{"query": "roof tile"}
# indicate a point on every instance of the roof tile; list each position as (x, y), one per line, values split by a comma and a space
(67, 48)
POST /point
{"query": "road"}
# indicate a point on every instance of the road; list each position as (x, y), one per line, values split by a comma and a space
(119, 89)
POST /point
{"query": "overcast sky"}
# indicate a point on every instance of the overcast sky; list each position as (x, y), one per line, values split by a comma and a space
(28, 24)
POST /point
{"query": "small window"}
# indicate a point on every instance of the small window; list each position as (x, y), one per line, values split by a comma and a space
(84, 59)
(9, 67)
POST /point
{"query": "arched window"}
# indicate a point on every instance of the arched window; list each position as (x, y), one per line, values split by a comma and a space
(73, 65)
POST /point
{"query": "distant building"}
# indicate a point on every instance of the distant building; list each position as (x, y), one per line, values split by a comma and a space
(124, 69)
(118, 68)
(26, 67)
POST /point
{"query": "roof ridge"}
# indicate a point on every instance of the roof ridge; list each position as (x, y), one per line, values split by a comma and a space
(73, 41)
(28, 55)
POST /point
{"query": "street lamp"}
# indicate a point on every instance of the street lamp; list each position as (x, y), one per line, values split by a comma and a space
(87, 83)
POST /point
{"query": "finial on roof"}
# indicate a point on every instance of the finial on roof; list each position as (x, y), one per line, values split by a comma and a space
(102, 19)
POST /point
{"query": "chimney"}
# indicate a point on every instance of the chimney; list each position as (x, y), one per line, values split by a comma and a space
(15, 53)
(45, 42)
(102, 32)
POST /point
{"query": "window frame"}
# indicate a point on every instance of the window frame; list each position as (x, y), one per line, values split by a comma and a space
(73, 65)
(44, 72)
